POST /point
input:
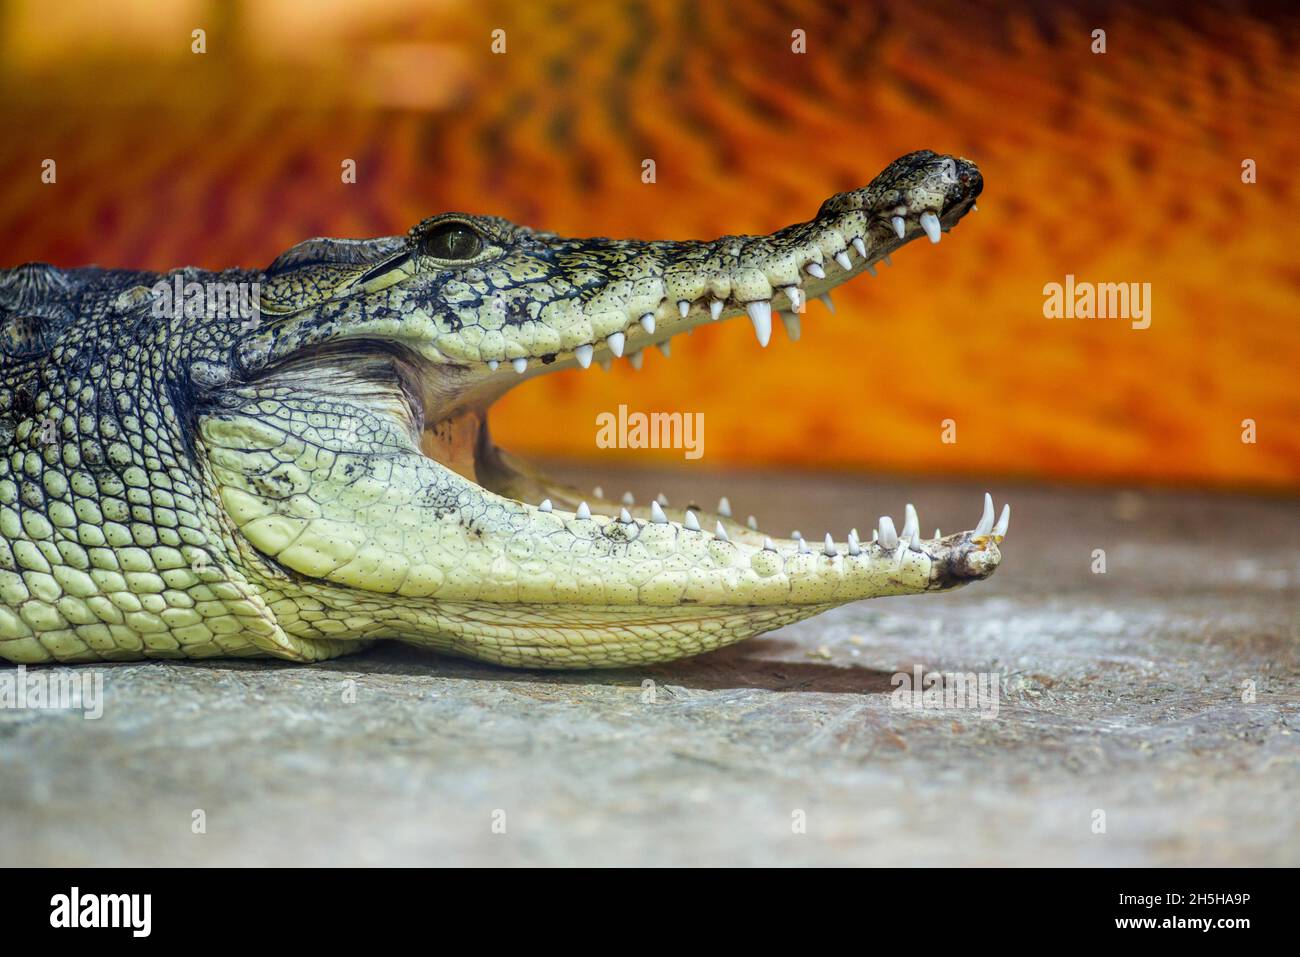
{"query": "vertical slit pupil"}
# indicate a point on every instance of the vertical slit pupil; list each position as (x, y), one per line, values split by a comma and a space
(453, 241)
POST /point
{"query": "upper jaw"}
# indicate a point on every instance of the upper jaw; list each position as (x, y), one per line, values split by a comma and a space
(654, 291)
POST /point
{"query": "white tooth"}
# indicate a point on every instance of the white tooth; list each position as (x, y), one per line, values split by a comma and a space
(803, 547)
(683, 307)
(886, 260)
(520, 364)
(796, 534)
(721, 533)
(715, 309)
(657, 514)
(914, 543)
(986, 520)
(661, 498)
(826, 301)
(930, 223)
(871, 270)
(583, 512)
(625, 516)
(724, 507)
(860, 246)
(760, 314)
(1004, 520)
(615, 342)
(885, 533)
(910, 523)
(854, 547)
(666, 348)
(636, 359)
(629, 498)
(768, 546)
(793, 327)
(974, 208)
(875, 534)
(493, 364)
(606, 363)
(648, 322)
(815, 270)
(691, 521)
(900, 227)
(752, 522)
(583, 354)
(545, 506)
(842, 260)
(830, 546)
(795, 295)
(937, 534)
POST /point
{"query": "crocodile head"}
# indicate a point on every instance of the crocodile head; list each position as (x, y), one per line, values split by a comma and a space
(355, 460)
(348, 487)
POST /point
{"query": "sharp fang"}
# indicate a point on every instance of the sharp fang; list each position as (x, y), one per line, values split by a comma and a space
(871, 271)
(607, 363)
(625, 516)
(842, 260)
(900, 227)
(752, 522)
(648, 322)
(830, 547)
(724, 507)
(815, 270)
(910, 523)
(795, 295)
(826, 300)
(937, 534)
(860, 246)
(1004, 520)
(665, 348)
(493, 364)
(768, 546)
(855, 548)
(691, 521)
(615, 342)
(629, 498)
(885, 533)
(803, 548)
(886, 260)
(683, 307)
(974, 208)
(715, 309)
(583, 512)
(520, 364)
(915, 543)
(986, 520)
(760, 314)
(661, 498)
(930, 223)
(583, 354)
(793, 327)
(796, 534)
(545, 506)
(721, 532)
(636, 359)
(657, 514)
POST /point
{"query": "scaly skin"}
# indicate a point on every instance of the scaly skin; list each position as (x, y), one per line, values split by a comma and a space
(300, 484)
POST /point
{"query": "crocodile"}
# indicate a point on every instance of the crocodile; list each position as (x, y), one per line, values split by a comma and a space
(295, 461)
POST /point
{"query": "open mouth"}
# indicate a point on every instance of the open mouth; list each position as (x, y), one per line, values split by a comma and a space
(358, 459)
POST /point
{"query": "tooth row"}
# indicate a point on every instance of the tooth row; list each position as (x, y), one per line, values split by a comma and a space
(885, 534)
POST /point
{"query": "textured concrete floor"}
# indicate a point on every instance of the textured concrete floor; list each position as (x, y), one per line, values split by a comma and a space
(1121, 693)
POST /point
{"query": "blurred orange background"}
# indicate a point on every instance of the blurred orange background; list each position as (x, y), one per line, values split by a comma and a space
(1117, 167)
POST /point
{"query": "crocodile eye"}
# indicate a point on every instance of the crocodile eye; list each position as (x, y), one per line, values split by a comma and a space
(453, 241)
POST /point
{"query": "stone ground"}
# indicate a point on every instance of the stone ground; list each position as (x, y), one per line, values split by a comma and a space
(1120, 693)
